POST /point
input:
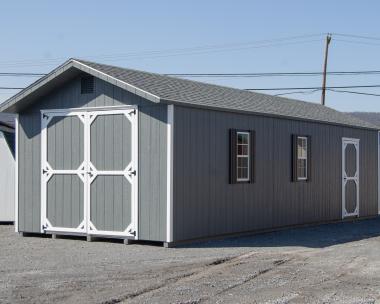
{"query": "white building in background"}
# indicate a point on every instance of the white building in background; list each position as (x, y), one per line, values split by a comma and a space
(7, 168)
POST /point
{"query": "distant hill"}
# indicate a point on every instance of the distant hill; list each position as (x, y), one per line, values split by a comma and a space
(371, 117)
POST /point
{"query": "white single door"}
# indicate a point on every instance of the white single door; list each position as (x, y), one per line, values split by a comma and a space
(350, 177)
(89, 172)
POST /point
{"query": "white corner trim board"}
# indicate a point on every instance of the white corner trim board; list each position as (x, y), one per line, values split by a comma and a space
(16, 171)
(169, 174)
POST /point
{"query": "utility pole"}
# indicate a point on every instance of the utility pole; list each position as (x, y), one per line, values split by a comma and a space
(328, 39)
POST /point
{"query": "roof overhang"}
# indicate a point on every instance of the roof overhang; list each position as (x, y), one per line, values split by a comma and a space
(68, 70)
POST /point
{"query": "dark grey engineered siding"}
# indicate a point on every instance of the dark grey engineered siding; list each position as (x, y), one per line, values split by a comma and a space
(152, 153)
(205, 204)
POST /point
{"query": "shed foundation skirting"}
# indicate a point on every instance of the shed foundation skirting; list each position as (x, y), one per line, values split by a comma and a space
(263, 231)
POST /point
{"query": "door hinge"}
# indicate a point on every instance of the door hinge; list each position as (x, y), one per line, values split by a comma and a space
(133, 112)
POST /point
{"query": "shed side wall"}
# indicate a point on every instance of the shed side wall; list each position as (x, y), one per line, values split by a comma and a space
(205, 204)
(152, 153)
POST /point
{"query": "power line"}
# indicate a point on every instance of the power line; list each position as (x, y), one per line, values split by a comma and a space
(180, 51)
(270, 89)
(314, 88)
(298, 92)
(203, 49)
(354, 92)
(357, 42)
(271, 74)
(21, 74)
(357, 36)
(227, 75)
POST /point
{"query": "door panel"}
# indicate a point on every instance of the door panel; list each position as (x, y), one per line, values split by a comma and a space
(65, 142)
(65, 199)
(350, 196)
(350, 163)
(63, 175)
(350, 177)
(111, 142)
(112, 173)
(111, 203)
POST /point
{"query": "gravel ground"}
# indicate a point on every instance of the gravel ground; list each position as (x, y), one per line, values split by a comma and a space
(336, 263)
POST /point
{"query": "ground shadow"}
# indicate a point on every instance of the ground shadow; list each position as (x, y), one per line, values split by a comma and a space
(320, 236)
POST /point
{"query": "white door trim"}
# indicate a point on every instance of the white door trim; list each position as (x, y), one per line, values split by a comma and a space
(130, 172)
(87, 116)
(345, 178)
(47, 172)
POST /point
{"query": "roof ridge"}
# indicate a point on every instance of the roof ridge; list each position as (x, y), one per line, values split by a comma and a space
(203, 83)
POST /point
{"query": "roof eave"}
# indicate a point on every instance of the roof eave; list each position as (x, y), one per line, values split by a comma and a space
(225, 109)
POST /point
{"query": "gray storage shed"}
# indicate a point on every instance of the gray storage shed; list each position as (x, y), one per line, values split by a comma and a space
(108, 151)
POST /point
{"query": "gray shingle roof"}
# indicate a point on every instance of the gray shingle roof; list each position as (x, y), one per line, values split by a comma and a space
(371, 117)
(202, 94)
(161, 88)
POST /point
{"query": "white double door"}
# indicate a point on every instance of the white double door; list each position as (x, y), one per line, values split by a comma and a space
(89, 171)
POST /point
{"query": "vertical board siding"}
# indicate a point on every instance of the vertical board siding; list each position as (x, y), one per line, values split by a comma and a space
(152, 154)
(205, 204)
(65, 149)
(153, 147)
(110, 203)
(65, 200)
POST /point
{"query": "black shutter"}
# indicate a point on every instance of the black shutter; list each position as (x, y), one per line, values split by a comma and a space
(309, 158)
(252, 156)
(233, 175)
(294, 158)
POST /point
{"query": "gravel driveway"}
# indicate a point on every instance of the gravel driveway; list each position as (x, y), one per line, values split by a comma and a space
(336, 263)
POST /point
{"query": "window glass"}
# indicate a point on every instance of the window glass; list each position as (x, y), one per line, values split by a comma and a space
(301, 158)
(242, 156)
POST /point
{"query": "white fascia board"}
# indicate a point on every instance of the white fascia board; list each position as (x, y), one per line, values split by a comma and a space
(85, 68)
(35, 85)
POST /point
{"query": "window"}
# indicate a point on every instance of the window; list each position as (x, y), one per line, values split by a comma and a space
(241, 156)
(87, 85)
(301, 158)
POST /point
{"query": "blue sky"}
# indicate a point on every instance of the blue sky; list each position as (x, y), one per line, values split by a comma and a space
(156, 36)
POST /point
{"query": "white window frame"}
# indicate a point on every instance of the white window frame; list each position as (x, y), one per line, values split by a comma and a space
(301, 178)
(248, 155)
